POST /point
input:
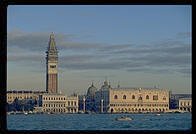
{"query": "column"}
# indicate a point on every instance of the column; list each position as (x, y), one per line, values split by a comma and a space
(101, 105)
(84, 104)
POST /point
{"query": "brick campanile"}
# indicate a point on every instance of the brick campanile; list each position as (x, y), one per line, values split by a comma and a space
(52, 66)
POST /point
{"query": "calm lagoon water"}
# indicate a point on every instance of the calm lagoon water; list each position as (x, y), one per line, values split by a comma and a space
(169, 121)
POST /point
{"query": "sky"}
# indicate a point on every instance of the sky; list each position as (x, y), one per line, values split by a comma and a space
(133, 45)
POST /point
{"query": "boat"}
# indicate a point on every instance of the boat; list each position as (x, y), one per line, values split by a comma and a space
(25, 113)
(158, 114)
(124, 118)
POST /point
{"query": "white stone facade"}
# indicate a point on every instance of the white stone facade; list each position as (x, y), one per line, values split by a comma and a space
(58, 103)
(21, 95)
(185, 104)
(138, 100)
(133, 100)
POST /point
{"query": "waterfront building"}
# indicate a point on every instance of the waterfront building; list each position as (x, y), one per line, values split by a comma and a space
(131, 100)
(58, 103)
(81, 102)
(185, 104)
(23, 95)
(52, 66)
(90, 98)
(174, 100)
(102, 97)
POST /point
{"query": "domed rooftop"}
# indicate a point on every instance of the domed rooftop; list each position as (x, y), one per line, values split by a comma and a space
(91, 90)
(105, 85)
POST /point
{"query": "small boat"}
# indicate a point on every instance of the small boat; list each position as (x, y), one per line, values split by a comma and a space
(158, 114)
(124, 118)
(25, 113)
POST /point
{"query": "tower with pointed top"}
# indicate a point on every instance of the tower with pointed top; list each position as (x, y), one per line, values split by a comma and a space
(52, 66)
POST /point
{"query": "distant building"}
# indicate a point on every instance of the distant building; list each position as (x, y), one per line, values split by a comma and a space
(58, 103)
(174, 100)
(131, 100)
(81, 102)
(22, 95)
(138, 100)
(102, 98)
(185, 104)
(52, 66)
(90, 98)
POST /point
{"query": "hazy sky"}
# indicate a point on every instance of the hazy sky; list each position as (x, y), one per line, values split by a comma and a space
(136, 45)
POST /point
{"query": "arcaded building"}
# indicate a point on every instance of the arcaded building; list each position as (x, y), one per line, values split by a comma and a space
(22, 95)
(185, 104)
(52, 66)
(58, 103)
(131, 100)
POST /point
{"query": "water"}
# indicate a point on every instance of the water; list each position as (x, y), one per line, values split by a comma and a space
(170, 121)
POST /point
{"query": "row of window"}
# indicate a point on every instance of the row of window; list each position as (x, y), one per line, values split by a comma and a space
(52, 66)
(138, 105)
(140, 109)
(61, 110)
(155, 97)
(61, 105)
(20, 97)
(186, 109)
(185, 104)
(54, 98)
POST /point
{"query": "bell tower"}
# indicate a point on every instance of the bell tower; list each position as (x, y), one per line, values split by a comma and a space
(52, 66)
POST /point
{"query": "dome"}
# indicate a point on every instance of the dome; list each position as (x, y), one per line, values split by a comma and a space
(91, 90)
(105, 86)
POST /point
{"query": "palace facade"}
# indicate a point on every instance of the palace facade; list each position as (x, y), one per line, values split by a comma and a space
(138, 100)
(131, 100)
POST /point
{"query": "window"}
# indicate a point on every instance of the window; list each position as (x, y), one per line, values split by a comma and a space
(133, 96)
(115, 97)
(147, 97)
(124, 97)
(164, 98)
(52, 66)
(155, 97)
(140, 98)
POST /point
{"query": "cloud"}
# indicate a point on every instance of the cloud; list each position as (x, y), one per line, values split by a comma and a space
(173, 55)
(37, 41)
